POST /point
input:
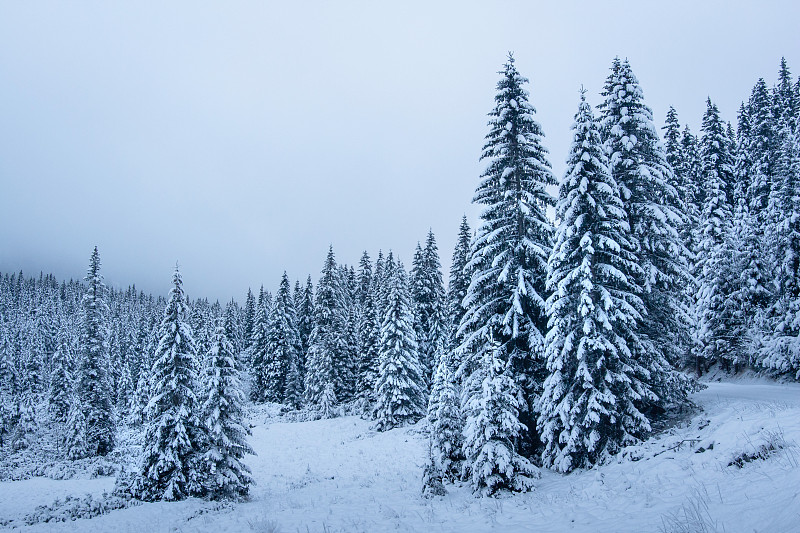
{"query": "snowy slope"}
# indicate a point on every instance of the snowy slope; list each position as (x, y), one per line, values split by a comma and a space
(338, 475)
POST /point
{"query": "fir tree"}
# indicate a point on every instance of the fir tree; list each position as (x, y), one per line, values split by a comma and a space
(587, 409)
(714, 339)
(283, 347)
(445, 421)
(223, 414)
(505, 299)
(323, 379)
(458, 283)
(259, 350)
(493, 426)
(93, 384)
(305, 322)
(75, 443)
(369, 335)
(638, 165)
(171, 464)
(60, 391)
(430, 307)
(399, 389)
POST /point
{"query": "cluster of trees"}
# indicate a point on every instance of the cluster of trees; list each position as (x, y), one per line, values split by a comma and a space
(741, 198)
(662, 257)
(555, 344)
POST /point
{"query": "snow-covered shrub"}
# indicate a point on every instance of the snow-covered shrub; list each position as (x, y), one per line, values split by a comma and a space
(74, 508)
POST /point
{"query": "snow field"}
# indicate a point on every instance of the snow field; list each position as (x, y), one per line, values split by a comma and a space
(338, 475)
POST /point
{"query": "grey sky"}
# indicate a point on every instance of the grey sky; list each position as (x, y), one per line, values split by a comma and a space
(241, 138)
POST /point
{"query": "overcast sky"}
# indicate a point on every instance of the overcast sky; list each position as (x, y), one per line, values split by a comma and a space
(242, 138)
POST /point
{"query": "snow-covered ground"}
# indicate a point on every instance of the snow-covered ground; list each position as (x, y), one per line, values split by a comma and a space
(338, 475)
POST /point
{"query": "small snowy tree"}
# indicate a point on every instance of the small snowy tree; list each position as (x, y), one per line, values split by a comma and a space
(75, 444)
(445, 421)
(400, 386)
(223, 414)
(60, 391)
(493, 427)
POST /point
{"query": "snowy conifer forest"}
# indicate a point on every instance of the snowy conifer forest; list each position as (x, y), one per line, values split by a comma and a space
(616, 348)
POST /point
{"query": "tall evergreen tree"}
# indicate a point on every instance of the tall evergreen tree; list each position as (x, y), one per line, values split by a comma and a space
(587, 409)
(506, 297)
(223, 414)
(283, 348)
(93, 384)
(714, 335)
(171, 466)
(259, 351)
(459, 282)
(399, 388)
(638, 165)
(323, 379)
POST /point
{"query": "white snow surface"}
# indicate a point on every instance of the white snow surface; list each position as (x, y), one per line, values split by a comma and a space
(338, 475)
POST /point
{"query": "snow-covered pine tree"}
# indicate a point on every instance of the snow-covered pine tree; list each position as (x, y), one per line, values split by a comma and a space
(781, 352)
(399, 388)
(27, 426)
(305, 322)
(322, 377)
(638, 165)
(349, 340)
(249, 316)
(92, 382)
(75, 444)
(445, 421)
(431, 308)
(259, 351)
(369, 334)
(223, 414)
(283, 344)
(60, 390)
(8, 378)
(493, 426)
(506, 297)
(587, 410)
(458, 283)
(171, 466)
(714, 340)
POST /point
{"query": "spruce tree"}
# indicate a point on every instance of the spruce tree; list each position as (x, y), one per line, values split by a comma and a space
(223, 415)
(430, 307)
(283, 348)
(171, 466)
(714, 334)
(259, 351)
(75, 444)
(445, 421)
(493, 426)
(60, 391)
(323, 383)
(458, 283)
(305, 322)
(399, 388)
(92, 384)
(506, 297)
(587, 409)
(369, 335)
(638, 165)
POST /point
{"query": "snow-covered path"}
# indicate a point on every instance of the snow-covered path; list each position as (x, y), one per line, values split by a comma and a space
(340, 476)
